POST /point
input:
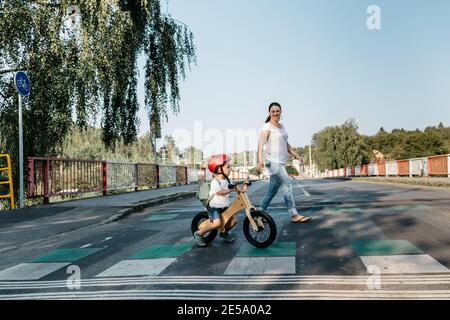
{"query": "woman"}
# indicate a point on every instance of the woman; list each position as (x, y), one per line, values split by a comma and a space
(274, 136)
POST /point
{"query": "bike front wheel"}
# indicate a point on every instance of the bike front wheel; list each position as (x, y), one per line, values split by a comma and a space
(266, 233)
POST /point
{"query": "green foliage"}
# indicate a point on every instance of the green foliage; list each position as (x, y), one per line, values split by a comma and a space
(170, 150)
(81, 73)
(191, 156)
(339, 146)
(342, 146)
(254, 171)
(87, 144)
(291, 170)
(402, 144)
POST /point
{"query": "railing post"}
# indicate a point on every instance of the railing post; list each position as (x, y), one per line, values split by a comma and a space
(104, 177)
(186, 174)
(448, 165)
(30, 189)
(410, 168)
(157, 176)
(46, 182)
(136, 174)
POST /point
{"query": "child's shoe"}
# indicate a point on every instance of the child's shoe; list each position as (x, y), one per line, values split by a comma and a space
(199, 239)
(226, 236)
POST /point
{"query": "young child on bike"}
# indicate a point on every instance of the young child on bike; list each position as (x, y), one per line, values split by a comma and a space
(220, 167)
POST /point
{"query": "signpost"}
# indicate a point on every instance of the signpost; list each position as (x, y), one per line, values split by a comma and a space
(22, 84)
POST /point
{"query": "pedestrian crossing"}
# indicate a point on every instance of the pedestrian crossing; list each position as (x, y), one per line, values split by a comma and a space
(236, 288)
(398, 262)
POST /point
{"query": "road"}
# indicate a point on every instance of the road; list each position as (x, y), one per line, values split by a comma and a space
(366, 241)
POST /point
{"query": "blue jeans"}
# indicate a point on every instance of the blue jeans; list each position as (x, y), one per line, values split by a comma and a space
(214, 213)
(278, 178)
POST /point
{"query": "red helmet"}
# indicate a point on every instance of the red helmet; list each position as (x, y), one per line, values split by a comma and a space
(217, 160)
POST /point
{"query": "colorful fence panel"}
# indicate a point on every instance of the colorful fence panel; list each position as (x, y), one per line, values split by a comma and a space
(147, 175)
(193, 174)
(403, 167)
(372, 168)
(120, 175)
(426, 166)
(418, 167)
(438, 165)
(167, 175)
(391, 168)
(380, 169)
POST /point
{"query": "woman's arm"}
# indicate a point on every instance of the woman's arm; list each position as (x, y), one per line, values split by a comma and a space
(293, 153)
(263, 137)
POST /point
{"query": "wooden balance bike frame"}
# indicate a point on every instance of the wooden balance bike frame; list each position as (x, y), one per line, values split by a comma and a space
(241, 202)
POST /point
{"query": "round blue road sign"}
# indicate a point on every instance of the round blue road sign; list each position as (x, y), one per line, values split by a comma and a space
(22, 83)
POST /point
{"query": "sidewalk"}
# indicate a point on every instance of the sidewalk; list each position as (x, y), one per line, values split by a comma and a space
(30, 225)
(415, 181)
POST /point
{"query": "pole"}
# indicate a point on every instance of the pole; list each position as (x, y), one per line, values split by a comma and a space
(310, 162)
(20, 153)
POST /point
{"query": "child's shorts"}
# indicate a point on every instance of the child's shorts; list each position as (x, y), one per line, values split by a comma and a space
(214, 213)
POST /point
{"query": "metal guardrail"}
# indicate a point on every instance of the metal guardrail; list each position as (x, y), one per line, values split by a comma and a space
(50, 177)
(424, 167)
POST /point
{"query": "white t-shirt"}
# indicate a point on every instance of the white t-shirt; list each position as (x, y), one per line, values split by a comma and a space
(219, 201)
(277, 145)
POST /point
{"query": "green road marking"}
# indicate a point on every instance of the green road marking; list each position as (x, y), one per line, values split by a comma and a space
(343, 210)
(162, 251)
(277, 249)
(159, 217)
(409, 207)
(67, 255)
(384, 247)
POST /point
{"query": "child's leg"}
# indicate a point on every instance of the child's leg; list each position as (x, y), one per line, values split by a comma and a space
(231, 224)
(214, 215)
(212, 226)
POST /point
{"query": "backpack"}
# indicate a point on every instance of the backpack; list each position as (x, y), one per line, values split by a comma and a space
(203, 192)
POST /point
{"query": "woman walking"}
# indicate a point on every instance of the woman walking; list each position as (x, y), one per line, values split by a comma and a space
(274, 137)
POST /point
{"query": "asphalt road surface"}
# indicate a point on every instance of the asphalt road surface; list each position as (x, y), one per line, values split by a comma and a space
(366, 241)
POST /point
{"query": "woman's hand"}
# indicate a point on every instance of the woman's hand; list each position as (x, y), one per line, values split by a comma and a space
(260, 167)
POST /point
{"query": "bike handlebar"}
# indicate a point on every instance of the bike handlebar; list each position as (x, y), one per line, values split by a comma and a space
(245, 184)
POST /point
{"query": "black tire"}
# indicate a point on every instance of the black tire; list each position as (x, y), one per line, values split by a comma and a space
(198, 219)
(264, 237)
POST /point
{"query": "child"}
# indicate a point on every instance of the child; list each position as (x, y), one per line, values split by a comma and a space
(218, 164)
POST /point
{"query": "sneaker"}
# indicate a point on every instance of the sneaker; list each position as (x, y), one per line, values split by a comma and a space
(199, 239)
(226, 237)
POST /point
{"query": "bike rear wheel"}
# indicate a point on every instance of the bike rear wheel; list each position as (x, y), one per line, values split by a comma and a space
(267, 230)
(197, 220)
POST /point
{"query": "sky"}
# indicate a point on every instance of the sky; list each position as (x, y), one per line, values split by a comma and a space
(318, 59)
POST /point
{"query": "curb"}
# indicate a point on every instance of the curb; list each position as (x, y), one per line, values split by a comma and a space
(145, 204)
(410, 183)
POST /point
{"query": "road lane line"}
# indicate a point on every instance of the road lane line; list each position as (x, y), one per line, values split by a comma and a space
(303, 189)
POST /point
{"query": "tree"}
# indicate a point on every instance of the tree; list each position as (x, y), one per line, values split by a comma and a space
(84, 70)
(192, 156)
(339, 146)
(87, 144)
(172, 152)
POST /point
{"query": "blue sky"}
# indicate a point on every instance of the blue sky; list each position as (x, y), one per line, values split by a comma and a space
(319, 60)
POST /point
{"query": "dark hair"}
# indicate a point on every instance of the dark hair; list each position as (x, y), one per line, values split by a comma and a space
(216, 171)
(273, 104)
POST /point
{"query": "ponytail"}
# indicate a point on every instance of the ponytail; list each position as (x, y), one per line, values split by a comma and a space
(268, 119)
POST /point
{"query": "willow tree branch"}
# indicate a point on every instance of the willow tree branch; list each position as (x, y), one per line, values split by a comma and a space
(12, 70)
